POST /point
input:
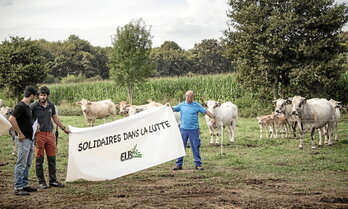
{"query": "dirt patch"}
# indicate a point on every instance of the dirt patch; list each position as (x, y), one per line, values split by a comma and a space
(173, 190)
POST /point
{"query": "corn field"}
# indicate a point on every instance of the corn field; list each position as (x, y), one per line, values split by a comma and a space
(222, 87)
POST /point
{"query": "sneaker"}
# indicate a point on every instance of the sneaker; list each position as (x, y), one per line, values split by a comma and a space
(56, 184)
(21, 192)
(43, 186)
(29, 189)
(199, 168)
(176, 168)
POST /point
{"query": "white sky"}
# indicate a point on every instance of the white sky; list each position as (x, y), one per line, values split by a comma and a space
(184, 21)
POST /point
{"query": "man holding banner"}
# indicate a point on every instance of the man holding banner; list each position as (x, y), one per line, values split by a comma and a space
(22, 121)
(45, 141)
(189, 127)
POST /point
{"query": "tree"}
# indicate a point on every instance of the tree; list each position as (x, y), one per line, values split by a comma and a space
(286, 47)
(21, 65)
(208, 58)
(129, 60)
(170, 59)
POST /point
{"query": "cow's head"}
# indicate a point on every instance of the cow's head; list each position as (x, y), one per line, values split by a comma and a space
(84, 103)
(211, 106)
(124, 107)
(280, 105)
(298, 103)
(335, 104)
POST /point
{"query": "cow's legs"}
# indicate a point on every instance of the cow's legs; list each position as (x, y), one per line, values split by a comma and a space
(230, 133)
(212, 134)
(312, 138)
(322, 132)
(330, 133)
(233, 131)
(261, 128)
(301, 137)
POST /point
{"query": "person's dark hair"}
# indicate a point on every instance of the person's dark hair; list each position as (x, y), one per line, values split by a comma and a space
(44, 90)
(29, 91)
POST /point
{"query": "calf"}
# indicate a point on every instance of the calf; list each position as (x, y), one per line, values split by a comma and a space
(97, 110)
(266, 124)
(280, 123)
(225, 115)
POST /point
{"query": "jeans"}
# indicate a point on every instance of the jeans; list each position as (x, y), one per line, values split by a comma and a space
(25, 151)
(195, 142)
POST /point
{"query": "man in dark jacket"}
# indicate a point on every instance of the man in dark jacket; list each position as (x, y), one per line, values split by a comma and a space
(45, 141)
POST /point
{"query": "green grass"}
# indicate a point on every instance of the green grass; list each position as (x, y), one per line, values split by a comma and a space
(249, 159)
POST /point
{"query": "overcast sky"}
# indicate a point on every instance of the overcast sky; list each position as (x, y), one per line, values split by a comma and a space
(184, 21)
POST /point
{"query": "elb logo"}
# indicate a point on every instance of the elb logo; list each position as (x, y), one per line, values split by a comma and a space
(133, 153)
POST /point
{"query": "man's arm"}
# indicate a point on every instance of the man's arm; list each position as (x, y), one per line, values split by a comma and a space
(59, 124)
(211, 115)
(15, 126)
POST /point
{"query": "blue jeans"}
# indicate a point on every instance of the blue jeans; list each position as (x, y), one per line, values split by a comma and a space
(25, 151)
(195, 142)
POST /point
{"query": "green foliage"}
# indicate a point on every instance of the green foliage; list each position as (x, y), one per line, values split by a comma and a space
(170, 60)
(222, 88)
(286, 48)
(129, 60)
(74, 56)
(208, 57)
(21, 65)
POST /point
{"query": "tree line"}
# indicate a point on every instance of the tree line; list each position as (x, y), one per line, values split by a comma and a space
(278, 47)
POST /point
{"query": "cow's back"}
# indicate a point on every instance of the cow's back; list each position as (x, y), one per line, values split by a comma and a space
(228, 112)
(101, 109)
(316, 113)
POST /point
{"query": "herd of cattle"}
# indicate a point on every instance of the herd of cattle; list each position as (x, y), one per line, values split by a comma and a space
(290, 115)
(302, 114)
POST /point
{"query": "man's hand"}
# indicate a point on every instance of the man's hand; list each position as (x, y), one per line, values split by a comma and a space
(67, 130)
(21, 137)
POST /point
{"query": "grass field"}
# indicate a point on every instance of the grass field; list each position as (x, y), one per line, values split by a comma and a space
(252, 173)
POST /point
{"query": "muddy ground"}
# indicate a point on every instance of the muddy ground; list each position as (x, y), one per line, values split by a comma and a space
(173, 189)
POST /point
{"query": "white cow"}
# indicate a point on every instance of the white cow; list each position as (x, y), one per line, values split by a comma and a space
(313, 114)
(134, 109)
(128, 109)
(5, 111)
(97, 110)
(284, 106)
(336, 117)
(225, 115)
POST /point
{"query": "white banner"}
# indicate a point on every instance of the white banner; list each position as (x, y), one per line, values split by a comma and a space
(124, 146)
(5, 125)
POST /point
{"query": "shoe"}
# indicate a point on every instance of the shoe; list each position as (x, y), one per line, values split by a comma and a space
(199, 168)
(56, 184)
(43, 186)
(29, 189)
(176, 168)
(21, 192)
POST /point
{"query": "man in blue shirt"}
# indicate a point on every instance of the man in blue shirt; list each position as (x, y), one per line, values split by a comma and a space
(189, 127)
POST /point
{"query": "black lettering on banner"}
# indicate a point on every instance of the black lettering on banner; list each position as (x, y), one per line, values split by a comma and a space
(113, 139)
(126, 156)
